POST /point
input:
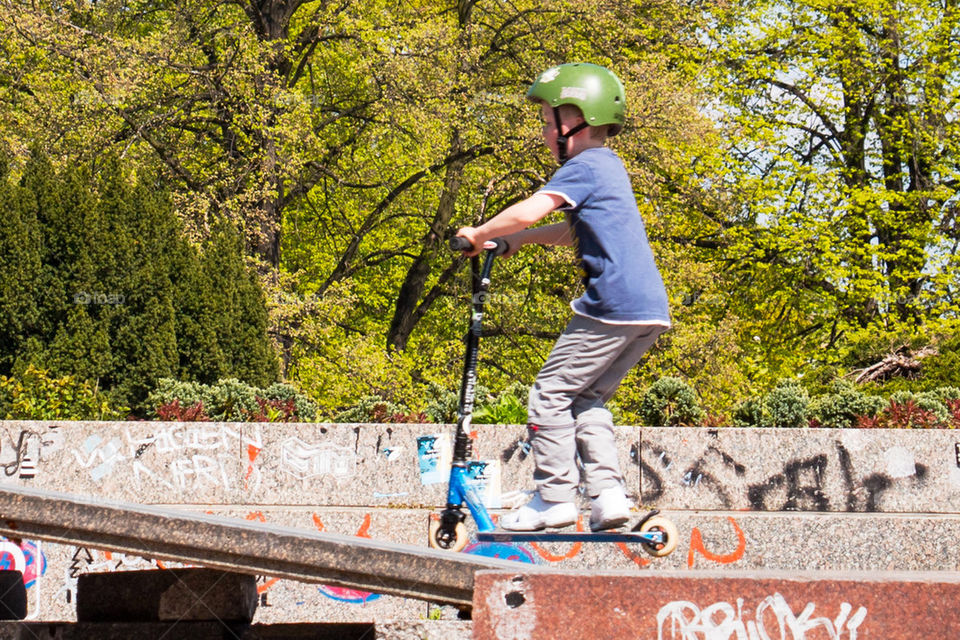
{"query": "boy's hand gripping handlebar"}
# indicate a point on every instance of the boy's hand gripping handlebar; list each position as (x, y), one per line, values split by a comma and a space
(496, 246)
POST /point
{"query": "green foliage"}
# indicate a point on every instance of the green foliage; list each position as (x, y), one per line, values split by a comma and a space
(786, 406)
(670, 402)
(376, 409)
(842, 407)
(507, 407)
(108, 288)
(228, 400)
(36, 395)
(797, 182)
(444, 403)
(749, 413)
(303, 407)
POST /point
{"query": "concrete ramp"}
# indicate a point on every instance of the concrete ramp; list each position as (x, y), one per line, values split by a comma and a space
(242, 547)
(716, 605)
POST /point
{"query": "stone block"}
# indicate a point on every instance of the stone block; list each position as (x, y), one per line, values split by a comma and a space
(191, 594)
(13, 595)
(577, 606)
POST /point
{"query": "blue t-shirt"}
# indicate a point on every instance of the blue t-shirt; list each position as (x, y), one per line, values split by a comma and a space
(623, 285)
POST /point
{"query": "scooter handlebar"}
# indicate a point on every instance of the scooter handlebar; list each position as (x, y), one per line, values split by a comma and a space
(496, 246)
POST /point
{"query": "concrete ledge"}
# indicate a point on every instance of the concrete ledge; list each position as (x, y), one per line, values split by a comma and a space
(166, 595)
(576, 606)
(243, 547)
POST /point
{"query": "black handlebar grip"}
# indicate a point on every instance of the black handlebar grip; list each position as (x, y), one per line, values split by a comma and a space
(459, 243)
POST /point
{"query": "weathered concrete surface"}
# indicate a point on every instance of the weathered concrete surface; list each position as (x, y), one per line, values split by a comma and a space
(708, 541)
(838, 470)
(577, 606)
(849, 497)
(177, 595)
(243, 547)
(249, 464)
(848, 470)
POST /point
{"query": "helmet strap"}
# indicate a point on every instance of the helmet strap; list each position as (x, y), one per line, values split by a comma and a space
(563, 138)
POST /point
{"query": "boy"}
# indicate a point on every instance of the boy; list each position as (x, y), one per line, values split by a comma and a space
(617, 319)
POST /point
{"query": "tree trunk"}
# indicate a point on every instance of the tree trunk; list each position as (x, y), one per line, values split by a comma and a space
(409, 308)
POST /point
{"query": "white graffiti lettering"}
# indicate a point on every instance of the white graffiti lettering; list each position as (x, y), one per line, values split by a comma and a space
(305, 460)
(176, 456)
(774, 620)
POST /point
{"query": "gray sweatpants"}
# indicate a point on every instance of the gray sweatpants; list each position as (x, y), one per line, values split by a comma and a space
(566, 411)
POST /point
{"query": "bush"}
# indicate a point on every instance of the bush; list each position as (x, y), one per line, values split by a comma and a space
(844, 406)
(670, 402)
(374, 408)
(748, 413)
(35, 395)
(785, 406)
(229, 400)
(508, 407)
(304, 408)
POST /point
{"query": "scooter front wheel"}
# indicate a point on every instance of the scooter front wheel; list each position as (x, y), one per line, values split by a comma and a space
(670, 536)
(440, 539)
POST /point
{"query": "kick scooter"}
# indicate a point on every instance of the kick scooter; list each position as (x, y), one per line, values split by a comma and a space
(657, 535)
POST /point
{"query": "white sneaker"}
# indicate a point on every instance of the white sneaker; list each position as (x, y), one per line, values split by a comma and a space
(539, 514)
(609, 510)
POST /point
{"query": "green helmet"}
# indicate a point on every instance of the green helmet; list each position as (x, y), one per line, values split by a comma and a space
(594, 89)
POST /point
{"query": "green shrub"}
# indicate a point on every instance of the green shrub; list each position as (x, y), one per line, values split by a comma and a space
(507, 407)
(748, 413)
(443, 406)
(374, 408)
(305, 408)
(36, 395)
(844, 406)
(670, 402)
(785, 406)
(229, 400)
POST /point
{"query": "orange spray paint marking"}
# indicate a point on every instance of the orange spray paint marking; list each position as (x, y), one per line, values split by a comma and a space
(574, 550)
(696, 546)
(364, 530)
(641, 560)
(252, 453)
(256, 515)
(266, 585)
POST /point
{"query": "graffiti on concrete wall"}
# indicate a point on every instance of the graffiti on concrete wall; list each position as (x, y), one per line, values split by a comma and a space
(28, 558)
(21, 450)
(773, 619)
(303, 460)
(186, 456)
(799, 484)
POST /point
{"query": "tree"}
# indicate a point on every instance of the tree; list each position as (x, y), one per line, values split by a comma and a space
(103, 293)
(844, 155)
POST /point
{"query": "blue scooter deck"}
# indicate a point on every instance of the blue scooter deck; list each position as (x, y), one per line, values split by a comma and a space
(648, 537)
